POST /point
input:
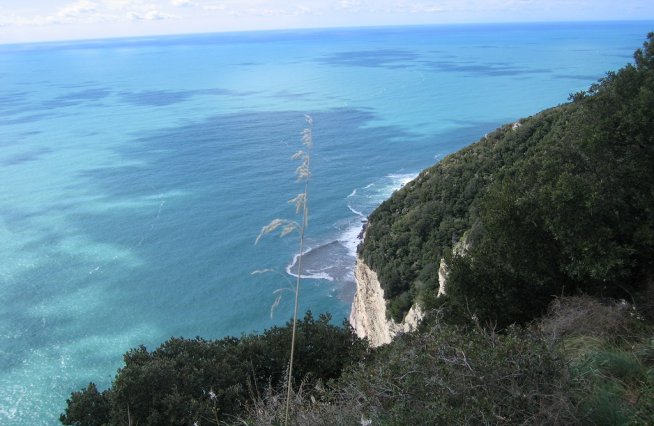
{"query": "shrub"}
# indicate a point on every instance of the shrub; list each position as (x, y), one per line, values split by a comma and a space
(197, 380)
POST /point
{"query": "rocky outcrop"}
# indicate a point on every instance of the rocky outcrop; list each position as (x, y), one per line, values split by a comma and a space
(368, 315)
(443, 272)
(460, 249)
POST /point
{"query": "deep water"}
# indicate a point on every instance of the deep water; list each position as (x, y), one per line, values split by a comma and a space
(136, 173)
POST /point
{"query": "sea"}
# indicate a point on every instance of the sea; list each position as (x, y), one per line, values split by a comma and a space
(137, 173)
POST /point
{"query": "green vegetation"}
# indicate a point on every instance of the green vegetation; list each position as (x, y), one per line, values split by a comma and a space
(569, 368)
(546, 227)
(560, 203)
(209, 381)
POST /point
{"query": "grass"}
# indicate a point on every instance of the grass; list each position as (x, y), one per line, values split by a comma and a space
(303, 173)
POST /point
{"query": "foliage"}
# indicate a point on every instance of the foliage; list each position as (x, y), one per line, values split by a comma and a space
(444, 375)
(559, 203)
(206, 381)
(619, 387)
(87, 407)
(460, 375)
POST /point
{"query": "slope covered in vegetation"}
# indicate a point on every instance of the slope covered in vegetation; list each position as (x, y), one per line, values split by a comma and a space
(559, 203)
(584, 363)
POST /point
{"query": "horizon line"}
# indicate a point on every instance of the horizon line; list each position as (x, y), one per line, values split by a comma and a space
(326, 28)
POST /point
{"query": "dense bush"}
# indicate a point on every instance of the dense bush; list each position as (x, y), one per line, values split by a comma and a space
(587, 362)
(206, 381)
(445, 375)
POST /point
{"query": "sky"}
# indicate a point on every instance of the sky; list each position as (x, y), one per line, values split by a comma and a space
(50, 20)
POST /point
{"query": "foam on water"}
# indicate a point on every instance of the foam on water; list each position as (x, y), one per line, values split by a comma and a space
(334, 259)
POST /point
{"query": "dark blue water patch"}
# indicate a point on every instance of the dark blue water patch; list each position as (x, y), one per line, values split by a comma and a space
(18, 104)
(287, 94)
(170, 97)
(24, 157)
(12, 97)
(31, 118)
(225, 92)
(186, 152)
(584, 77)
(491, 69)
(382, 58)
(80, 85)
(12, 100)
(18, 138)
(75, 98)
(36, 83)
(157, 97)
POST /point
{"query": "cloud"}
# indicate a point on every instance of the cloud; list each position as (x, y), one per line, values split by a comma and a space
(181, 3)
(350, 4)
(121, 4)
(262, 8)
(93, 11)
(149, 15)
(77, 9)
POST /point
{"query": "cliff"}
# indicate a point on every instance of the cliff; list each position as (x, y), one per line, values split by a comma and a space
(368, 316)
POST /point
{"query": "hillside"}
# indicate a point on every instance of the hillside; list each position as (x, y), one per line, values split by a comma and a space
(558, 203)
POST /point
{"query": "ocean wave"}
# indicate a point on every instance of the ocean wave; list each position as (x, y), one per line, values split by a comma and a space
(325, 262)
(355, 211)
(334, 260)
(403, 178)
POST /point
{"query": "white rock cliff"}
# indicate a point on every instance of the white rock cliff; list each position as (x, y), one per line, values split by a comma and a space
(368, 315)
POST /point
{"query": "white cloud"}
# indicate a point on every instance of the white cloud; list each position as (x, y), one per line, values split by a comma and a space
(92, 11)
(263, 8)
(426, 8)
(77, 9)
(121, 4)
(149, 15)
(350, 4)
(181, 3)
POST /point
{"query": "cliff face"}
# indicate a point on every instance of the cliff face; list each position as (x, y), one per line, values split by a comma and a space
(368, 315)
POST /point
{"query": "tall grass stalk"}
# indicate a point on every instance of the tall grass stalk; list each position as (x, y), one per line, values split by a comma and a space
(288, 226)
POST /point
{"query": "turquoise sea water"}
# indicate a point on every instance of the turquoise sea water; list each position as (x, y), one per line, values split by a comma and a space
(135, 174)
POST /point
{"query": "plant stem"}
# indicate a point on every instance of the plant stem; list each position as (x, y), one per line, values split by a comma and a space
(297, 296)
